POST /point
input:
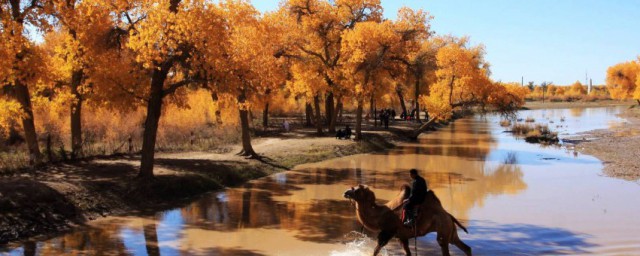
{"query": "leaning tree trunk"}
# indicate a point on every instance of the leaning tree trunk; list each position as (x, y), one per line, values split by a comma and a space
(423, 128)
(329, 109)
(401, 98)
(334, 116)
(24, 98)
(154, 110)
(76, 115)
(417, 99)
(308, 111)
(359, 120)
(316, 103)
(265, 116)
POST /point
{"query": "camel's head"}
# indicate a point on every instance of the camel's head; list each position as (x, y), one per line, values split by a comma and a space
(361, 193)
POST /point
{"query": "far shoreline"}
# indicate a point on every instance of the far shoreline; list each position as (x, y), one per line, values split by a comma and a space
(533, 105)
(618, 148)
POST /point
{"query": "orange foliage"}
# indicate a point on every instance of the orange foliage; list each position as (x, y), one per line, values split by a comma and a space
(623, 80)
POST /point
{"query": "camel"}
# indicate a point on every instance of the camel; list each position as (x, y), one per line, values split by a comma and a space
(386, 219)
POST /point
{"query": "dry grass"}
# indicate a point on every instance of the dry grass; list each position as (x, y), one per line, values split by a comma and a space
(538, 133)
(505, 123)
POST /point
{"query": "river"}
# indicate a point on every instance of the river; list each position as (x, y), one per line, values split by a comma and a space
(515, 198)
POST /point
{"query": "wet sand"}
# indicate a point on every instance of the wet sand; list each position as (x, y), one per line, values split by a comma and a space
(617, 147)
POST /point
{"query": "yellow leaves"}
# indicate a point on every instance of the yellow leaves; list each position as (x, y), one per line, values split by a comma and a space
(413, 25)
(366, 50)
(576, 89)
(355, 10)
(10, 113)
(622, 80)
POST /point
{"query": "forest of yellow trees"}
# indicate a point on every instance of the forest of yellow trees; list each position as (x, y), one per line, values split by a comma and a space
(88, 77)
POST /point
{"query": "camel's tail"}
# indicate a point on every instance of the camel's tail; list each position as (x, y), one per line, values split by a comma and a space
(458, 223)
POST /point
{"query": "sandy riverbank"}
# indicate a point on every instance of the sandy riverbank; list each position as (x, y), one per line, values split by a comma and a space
(618, 148)
(576, 104)
(58, 197)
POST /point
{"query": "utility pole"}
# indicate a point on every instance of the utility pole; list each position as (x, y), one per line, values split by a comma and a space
(522, 82)
(586, 77)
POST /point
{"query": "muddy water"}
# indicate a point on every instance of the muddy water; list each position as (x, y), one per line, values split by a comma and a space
(516, 199)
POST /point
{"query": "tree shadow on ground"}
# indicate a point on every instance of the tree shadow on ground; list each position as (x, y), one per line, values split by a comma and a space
(231, 173)
(32, 208)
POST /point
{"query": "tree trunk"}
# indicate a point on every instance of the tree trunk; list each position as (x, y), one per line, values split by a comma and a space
(24, 98)
(308, 111)
(334, 116)
(359, 120)
(247, 149)
(76, 115)
(638, 100)
(423, 128)
(340, 109)
(451, 90)
(49, 148)
(316, 103)
(417, 98)
(401, 98)
(329, 109)
(375, 113)
(154, 110)
(265, 116)
(218, 114)
(371, 110)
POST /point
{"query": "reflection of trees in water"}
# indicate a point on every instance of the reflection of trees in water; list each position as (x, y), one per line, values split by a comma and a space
(87, 241)
(151, 236)
(460, 197)
(309, 201)
(577, 112)
(453, 164)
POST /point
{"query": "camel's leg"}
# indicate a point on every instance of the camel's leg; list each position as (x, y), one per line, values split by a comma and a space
(464, 247)
(444, 245)
(383, 239)
(445, 249)
(405, 246)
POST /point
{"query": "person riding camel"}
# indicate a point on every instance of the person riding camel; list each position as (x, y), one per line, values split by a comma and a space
(417, 196)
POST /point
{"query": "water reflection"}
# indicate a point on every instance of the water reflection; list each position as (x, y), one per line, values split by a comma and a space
(515, 198)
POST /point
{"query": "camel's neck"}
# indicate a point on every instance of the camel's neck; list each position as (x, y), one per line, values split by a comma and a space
(367, 214)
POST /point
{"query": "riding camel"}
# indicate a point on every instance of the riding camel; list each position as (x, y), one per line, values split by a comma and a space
(386, 219)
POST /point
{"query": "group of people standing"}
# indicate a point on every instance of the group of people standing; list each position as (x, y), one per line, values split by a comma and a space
(386, 115)
(409, 116)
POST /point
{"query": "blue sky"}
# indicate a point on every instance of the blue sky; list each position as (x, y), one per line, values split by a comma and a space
(542, 40)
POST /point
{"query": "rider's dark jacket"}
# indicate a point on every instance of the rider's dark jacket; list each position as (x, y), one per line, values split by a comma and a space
(418, 190)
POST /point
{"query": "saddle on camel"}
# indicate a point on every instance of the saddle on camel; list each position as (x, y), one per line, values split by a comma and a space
(386, 219)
